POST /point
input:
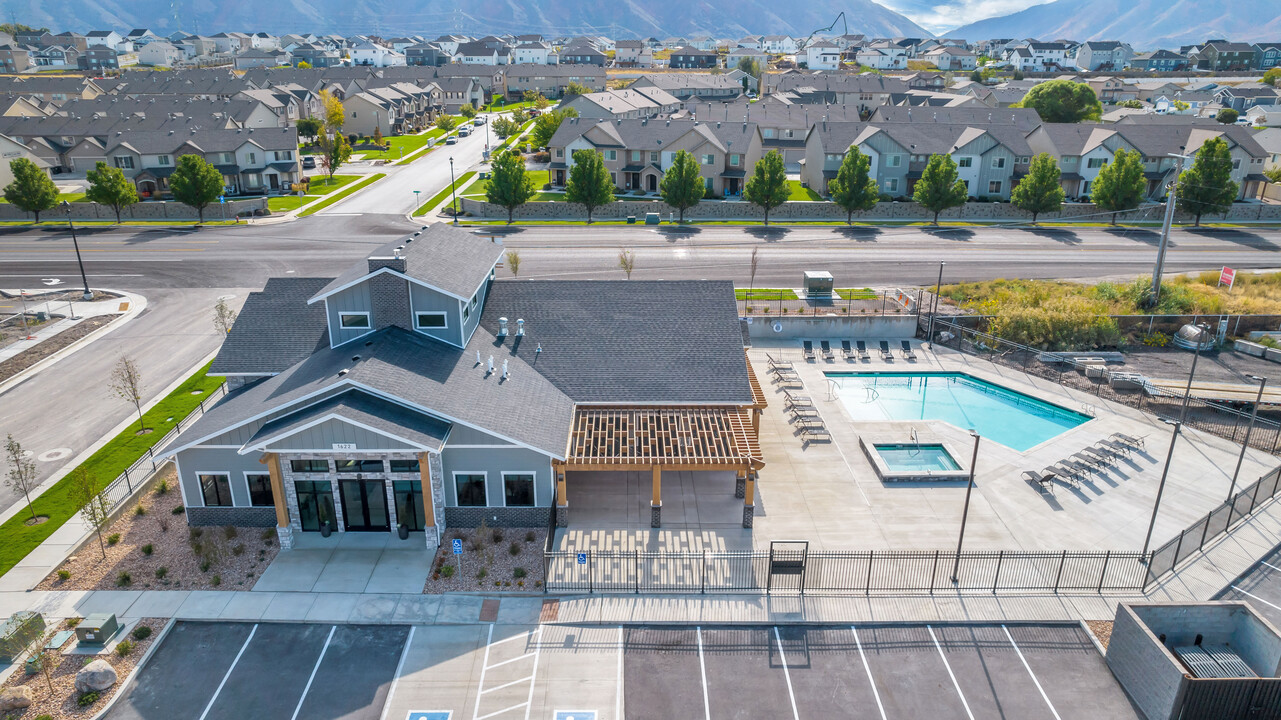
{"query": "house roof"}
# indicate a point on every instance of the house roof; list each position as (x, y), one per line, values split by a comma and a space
(275, 329)
(355, 407)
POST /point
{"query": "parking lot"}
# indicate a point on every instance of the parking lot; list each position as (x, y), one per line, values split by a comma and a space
(217, 671)
(1260, 587)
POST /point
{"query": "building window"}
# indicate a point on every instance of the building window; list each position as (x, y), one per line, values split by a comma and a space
(518, 489)
(611, 154)
(353, 320)
(891, 185)
(994, 187)
(309, 466)
(430, 320)
(162, 159)
(260, 489)
(471, 489)
(216, 489)
(408, 496)
(123, 162)
(653, 157)
(735, 159)
(998, 162)
(404, 466)
(709, 159)
(893, 160)
(1096, 163)
(315, 503)
(351, 465)
(964, 162)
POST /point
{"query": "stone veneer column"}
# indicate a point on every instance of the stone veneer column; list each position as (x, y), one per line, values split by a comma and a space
(740, 484)
(656, 499)
(437, 499)
(283, 529)
(749, 499)
(562, 503)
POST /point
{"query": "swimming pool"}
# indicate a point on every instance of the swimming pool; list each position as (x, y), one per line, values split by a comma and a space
(907, 457)
(997, 413)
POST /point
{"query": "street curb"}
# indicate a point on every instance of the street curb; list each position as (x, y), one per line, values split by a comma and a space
(128, 682)
(1090, 634)
(137, 303)
(76, 461)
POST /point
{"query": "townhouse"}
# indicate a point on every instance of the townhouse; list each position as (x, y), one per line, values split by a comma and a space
(395, 108)
(1267, 55)
(782, 127)
(1246, 95)
(1222, 56)
(162, 53)
(948, 57)
(638, 152)
(692, 86)
(1106, 55)
(252, 161)
(1081, 151)
(1159, 61)
(581, 53)
(864, 91)
(551, 80)
(1159, 138)
(427, 54)
(823, 55)
(633, 53)
(626, 104)
(254, 57)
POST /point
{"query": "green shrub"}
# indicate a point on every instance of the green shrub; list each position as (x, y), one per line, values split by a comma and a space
(44, 717)
(124, 647)
(229, 532)
(142, 632)
(64, 575)
(481, 573)
(205, 565)
(518, 573)
(498, 535)
(139, 510)
(530, 536)
(113, 538)
(447, 571)
(514, 548)
(178, 510)
(162, 487)
(124, 578)
(268, 535)
(87, 699)
(72, 622)
(195, 532)
(148, 549)
(216, 580)
(238, 549)
(161, 572)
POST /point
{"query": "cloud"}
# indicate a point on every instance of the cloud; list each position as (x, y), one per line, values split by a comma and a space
(938, 17)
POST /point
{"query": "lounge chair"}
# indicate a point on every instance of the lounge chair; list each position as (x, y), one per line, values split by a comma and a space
(885, 350)
(847, 350)
(1094, 461)
(777, 364)
(807, 347)
(1134, 442)
(1044, 479)
(1116, 447)
(1082, 468)
(793, 400)
(907, 351)
(827, 350)
(862, 350)
(1068, 474)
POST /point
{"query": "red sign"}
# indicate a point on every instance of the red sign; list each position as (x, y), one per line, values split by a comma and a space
(1227, 276)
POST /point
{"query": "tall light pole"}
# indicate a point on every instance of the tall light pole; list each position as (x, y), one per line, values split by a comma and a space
(1246, 443)
(1160, 489)
(935, 306)
(1165, 227)
(453, 190)
(965, 514)
(66, 207)
(1201, 329)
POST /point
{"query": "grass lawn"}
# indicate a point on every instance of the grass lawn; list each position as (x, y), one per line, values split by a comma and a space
(439, 197)
(477, 190)
(285, 203)
(857, 293)
(322, 185)
(499, 107)
(17, 539)
(798, 192)
(314, 207)
(765, 294)
(398, 146)
(68, 197)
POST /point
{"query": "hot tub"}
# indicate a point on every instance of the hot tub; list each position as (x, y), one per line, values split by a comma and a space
(913, 461)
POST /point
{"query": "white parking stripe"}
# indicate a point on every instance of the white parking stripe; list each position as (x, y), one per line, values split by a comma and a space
(867, 668)
(1256, 597)
(1044, 697)
(618, 692)
(1274, 567)
(307, 688)
(527, 678)
(249, 639)
(702, 667)
(507, 709)
(533, 679)
(484, 665)
(400, 666)
(509, 660)
(787, 674)
(955, 684)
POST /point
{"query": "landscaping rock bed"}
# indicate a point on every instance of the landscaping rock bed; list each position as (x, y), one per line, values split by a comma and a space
(1101, 629)
(493, 560)
(35, 354)
(64, 701)
(157, 551)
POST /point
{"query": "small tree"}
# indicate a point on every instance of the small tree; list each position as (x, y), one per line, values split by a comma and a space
(22, 471)
(589, 182)
(754, 262)
(446, 122)
(512, 258)
(940, 186)
(976, 76)
(1272, 77)
(1207, 187)
(767, 188)
(1041, 191)
(224, 317)
(682, 185)
(195, 183)
(505, 127)
(309, 127)
(303, 65)
(1181, 106)
(1120, 185)
(468, 111)
(509, 185)
(852, 189)
(529, 95)
(378, 135)
(31, 190)
(1227, 116)
(627, 262)
(108, 186)
(332, 114)
(94, 506)
(750, 66)
(126, 383)
(548, 123)
(1132, 104)
(334, 151)
(541, 102)
(1063, 101)
(574, 89)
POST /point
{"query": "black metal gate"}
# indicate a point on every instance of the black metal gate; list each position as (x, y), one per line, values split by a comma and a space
(787, 559)
(1236, 699)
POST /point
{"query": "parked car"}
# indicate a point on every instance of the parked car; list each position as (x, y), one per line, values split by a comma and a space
(464, 131)
(308, 162)
(451, 140)
(478, 121)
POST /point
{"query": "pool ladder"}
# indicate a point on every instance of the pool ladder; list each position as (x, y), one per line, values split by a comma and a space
(915, 449)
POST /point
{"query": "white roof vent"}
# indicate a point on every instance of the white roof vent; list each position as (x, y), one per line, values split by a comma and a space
(520, 327)
(490, 366)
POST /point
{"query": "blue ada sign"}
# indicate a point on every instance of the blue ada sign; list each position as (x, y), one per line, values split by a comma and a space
(458, 547)
(582, 558)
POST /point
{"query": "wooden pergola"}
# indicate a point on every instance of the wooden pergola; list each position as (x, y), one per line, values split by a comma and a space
(658, 438)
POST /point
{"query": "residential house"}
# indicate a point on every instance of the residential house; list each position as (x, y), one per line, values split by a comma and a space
(427, 54)
(264, 41)
(551, 80)
(139, 37)
(51, 89)
(1159, 61)
(1105, 55)
(531, 53)
(375, 55)
(627, 104)
(1160, 137)
(252, 161)
(864, 91)
(1246, 95)
(749, 42)
(823, 55)
(778, 44)
(109, 38)
(14, 58)
(160, 53)
(458, 91)
(948, 57)
(1270, 141)
(317, 56)
(1267, 55)
(703, 42)
(582, 54)
(99, 57)
(880, 59)
(11, 150)
(633, 53)
(478, 53)
(740, 54)
(687, 86)
(1080, 150)
(254, 57)
(449, 43)
(55, 56)
(1223, 56)
(1112, 90)
(638, 152)
(690, 58)
(782, 126)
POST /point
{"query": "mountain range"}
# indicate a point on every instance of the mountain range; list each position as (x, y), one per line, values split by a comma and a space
(389, 18)
(1145, 24)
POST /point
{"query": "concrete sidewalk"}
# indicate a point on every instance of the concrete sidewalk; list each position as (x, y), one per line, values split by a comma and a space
(81, 310)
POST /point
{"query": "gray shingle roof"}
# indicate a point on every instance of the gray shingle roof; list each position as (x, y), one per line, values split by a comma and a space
(656, 342)
(364, 409)
(275, 330)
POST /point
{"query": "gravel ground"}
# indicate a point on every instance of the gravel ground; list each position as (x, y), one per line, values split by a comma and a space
(1214, 366)
(172, 549)
(1102, 630)
(61, 703)
(495, 559)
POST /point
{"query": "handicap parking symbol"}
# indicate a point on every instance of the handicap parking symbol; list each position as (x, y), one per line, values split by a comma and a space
(429, 715)
(575, 715)
(458, 547)
(582, 558)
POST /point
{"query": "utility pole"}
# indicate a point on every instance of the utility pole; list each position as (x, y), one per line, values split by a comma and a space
(1165, 228)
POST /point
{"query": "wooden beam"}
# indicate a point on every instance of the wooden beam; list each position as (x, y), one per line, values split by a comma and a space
(749, 493)
(277, 488)
(424, 477)
(561, 499)
(657, 499)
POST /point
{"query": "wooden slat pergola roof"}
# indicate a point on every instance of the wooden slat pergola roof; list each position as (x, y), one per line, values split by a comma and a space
(758, 395)
(684, 437)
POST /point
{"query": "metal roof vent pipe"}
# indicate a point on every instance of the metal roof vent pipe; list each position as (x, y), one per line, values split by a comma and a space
(504, 369)
(520, 327)
(502, 327)
(490, 365)
(396, 253)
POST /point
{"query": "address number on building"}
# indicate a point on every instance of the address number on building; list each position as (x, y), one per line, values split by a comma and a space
(344, 446)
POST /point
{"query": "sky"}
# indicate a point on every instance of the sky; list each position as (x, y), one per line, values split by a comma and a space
(941, 15)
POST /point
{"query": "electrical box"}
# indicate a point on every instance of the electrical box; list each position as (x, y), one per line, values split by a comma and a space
(818, 282)
(97, 629)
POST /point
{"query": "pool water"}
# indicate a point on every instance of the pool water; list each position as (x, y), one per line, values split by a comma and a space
(997, 413)
(914, 458)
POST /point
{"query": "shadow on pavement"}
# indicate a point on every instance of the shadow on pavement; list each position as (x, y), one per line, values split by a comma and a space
(1142, 235)
(1061, 235)
(859, 234)
(771, 233)
(1234, 235)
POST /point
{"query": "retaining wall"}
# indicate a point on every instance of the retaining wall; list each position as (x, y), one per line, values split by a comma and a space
(157, 210)
(872, 326)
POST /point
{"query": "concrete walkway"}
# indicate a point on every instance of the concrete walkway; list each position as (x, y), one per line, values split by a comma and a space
(81, 310)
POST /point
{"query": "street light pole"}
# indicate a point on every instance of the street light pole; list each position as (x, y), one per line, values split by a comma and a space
(935, 306)
(1196, 355)
(453, 190)
(66, 207)
(1160, 489)
(1246, 443)
(1165, 228)
(965, 514)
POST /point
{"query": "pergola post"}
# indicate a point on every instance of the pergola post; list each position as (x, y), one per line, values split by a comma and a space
(429, 503)
(749, 498)
(283, 530)
(562, 503)
(656, 501)
(740, 484)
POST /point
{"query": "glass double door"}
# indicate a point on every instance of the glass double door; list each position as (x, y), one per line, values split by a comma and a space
(364, 505)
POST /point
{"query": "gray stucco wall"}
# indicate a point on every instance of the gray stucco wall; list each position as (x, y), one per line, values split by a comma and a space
(353, 299)
(321, 438)
(195, 461)
(493, 462)
(425, 300)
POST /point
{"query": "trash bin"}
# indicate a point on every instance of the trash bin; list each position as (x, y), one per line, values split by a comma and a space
(631, 219)
(651, 218)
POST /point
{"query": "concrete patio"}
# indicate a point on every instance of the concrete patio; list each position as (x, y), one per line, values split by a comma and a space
(349, 563)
